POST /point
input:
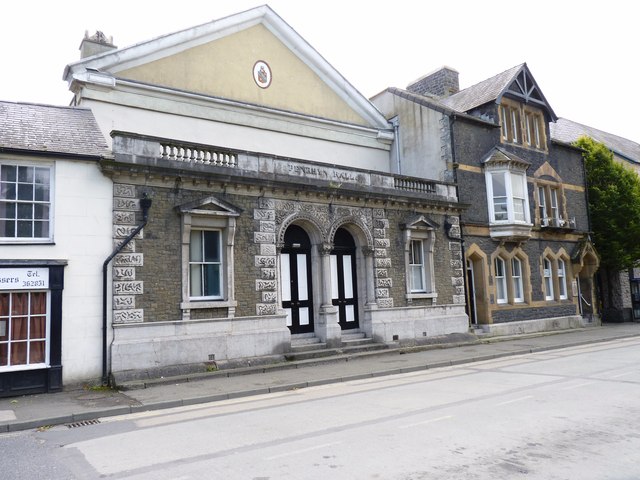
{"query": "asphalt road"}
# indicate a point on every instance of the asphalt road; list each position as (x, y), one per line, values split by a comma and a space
(563, 414)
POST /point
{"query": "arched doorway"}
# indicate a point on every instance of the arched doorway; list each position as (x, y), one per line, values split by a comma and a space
(295, 280)
(343, 279)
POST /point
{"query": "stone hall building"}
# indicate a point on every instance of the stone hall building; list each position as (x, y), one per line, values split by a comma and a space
(278, 213)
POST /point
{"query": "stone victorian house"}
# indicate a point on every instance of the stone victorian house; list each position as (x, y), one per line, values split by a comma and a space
(620, 293)
(55, 232)
(278, 216)
(529, 262)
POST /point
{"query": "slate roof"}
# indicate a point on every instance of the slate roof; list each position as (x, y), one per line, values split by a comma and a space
(567, 131)
(51, 129)
(484, 92)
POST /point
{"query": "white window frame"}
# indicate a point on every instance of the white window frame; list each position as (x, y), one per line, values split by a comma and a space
(516, 280)
(542, 206)
(547, 274)
(509, 177)
(50, 203)
(202, 263)
(424, 232)
(209, 214)
(562, 279)
(417, 264)
(501, 280)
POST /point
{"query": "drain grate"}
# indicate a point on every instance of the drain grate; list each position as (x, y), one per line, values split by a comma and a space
(83, 423)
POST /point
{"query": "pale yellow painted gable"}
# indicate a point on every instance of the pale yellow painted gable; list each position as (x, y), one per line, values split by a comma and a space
(224, 68)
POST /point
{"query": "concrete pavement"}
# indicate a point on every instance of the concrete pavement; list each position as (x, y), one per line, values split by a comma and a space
(77, 406)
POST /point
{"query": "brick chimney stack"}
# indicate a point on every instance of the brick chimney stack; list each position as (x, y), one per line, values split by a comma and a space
(95, 44)
(440, 83)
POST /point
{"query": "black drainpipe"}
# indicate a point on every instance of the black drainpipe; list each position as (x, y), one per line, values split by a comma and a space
(462, 251)
(145, 205)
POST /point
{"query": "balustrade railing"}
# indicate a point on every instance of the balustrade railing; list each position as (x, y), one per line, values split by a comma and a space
(198, 155)
(415, 185)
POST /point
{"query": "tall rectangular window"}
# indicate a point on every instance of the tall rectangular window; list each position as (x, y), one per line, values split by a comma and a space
(532, 130)
(416, 265)
(501, 281)
(519, 193)
(500, 203)
(25, 202)
(516, 280)
(555, 212)
(23, 329)
(548, 279)
(542, 206)
(205, 264)
(562, 280)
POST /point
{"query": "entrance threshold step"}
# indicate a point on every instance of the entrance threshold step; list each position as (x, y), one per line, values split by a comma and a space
(334, 352)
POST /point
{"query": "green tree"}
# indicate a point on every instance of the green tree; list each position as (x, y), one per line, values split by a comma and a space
(614, 204)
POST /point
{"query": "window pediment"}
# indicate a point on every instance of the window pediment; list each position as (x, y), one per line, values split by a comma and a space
(498, 159)
(210, 206)
(419, 222)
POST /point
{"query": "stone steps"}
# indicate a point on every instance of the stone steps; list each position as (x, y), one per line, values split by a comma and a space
(309, 347)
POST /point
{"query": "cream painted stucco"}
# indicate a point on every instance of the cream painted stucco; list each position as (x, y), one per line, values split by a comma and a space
(82, 237)
(224, 68)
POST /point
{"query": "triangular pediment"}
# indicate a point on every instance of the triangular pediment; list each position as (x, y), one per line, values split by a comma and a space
(419, 222)
(210, 206)
(499, 158)
(252, 58)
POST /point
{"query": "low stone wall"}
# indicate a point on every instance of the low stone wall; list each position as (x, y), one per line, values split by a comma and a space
(153, 349)
(535, 326)
(408, 325)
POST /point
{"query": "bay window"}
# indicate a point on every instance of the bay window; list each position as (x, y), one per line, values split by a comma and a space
(508, 202)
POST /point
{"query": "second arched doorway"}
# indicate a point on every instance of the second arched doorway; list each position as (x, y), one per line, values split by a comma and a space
(296, 285)
(344, 279)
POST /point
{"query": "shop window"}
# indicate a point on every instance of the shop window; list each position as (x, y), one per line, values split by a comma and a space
(25, 203)
(23, 330)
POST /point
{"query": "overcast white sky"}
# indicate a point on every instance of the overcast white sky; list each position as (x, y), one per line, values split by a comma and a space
(583, 54)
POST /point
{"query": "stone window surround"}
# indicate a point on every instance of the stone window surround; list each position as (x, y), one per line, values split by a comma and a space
(202, 219)
(420, 229)
(555, 278)
(525, 275)
(516, 121)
